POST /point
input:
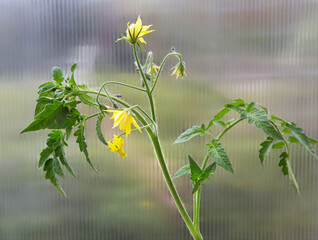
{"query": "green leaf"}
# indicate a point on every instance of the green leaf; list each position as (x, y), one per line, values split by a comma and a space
(235, 108)
(53, 168)
(73, 67)
(53, 116)
(196, 186)
(46, 87)
(57, 74)
(44, 156)
(264, 108)
(208, 172)
(313, 141)
(195, 170)
(79, 133)
(185, 170)
(99, 129)
(190, 133)
(278, 145)
(267, 146)
(219, 123)
(86, 99)
(302, 138)
(287, 170)
(275, 118)
(239, 103)
(261, 122)
(250, 106)
(218, 116)
(59, 152)
(219, 155)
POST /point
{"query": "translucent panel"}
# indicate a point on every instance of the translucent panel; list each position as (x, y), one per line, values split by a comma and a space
(261, 50)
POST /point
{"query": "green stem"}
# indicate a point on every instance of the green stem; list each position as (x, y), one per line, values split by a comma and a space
(161, 66)
(228, 128)
(196, 200)
(156, 144)
(150, 98)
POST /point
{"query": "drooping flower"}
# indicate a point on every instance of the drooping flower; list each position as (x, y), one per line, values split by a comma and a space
(135, 32)
(155, 68)
(179, 70)
(117, 146)
(123, 119)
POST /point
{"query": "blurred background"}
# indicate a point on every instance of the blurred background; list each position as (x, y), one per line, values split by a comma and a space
(261, 50)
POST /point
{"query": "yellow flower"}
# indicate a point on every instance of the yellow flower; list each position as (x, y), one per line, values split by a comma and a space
(123, 119)
(179, 70)
(155, 68)
(117, 146)
(135, 32)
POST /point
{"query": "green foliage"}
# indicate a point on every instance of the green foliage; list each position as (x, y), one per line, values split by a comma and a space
(52, 168)
(79, 133)
(99, 129)
(301, 138)
(56, 109)
(219, 155)
(57, 75)
(190, 133)
(198, 176)
(287, 169)
(184, 170)
(261, 122)
(267, 146)
(53, 116)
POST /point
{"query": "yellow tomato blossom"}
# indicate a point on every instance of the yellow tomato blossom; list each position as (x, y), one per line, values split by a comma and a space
(117, 146)
(135, 32)
(123, 119)
(179, 70)
(155, 68)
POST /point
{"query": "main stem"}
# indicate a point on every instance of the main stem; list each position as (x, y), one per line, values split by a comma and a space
(157, 147)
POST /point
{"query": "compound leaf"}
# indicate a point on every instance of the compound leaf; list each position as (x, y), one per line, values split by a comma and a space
(267, 146)
(79, 133)
(99, 129)
(219, 155)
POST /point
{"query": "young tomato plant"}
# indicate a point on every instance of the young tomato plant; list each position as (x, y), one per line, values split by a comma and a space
(57, 109)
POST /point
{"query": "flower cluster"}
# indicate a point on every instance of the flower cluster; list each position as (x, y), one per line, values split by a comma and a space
(122, 119)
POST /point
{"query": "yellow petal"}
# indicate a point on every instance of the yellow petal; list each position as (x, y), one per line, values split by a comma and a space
(135, 124)
(122, 153)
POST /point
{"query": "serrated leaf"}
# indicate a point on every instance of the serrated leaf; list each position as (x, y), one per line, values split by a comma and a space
(99, 129)
(57, 74)
(217, 152)
(79, 133)
(261, 122)
(59, 152)
(287, 170)
(278, 145)
(267, 146)
(195, 170)
(208, 172)
(313, 141)
(275, 118)
(263, 107)
(302, 138)
(44, 156)
(185, 170)
(188, 134)
(53, 168)
(53, 116)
